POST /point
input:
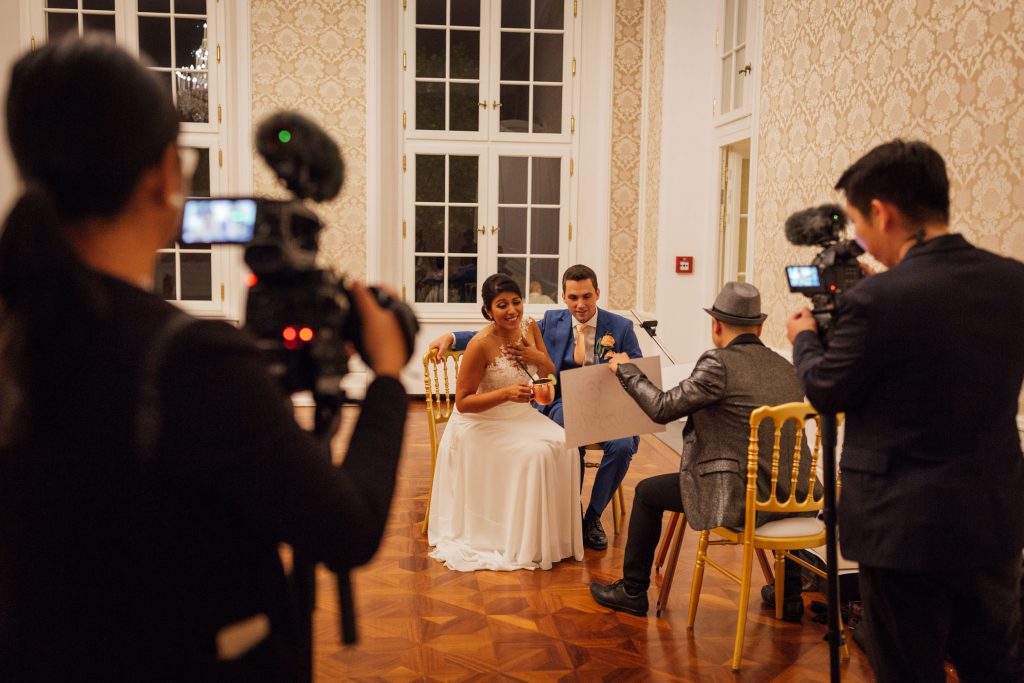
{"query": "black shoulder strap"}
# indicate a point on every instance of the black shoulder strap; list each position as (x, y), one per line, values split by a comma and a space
(148, 415)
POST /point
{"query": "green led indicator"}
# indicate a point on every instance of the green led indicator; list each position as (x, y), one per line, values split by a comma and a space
(284, 135)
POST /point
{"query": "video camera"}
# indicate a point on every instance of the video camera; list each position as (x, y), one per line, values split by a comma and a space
(301, 315)
(834, 270)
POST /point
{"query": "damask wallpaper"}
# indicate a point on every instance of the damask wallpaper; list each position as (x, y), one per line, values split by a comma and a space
(841, 77)
(652, 185)
(310, 56)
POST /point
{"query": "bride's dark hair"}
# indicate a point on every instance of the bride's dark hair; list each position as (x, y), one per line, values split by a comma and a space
(493, 286)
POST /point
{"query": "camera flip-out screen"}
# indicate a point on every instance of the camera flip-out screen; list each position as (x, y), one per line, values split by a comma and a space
(218, 220)
(803, 279)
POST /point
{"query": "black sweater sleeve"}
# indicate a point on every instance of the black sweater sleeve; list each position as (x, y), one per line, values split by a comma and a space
(228, 436)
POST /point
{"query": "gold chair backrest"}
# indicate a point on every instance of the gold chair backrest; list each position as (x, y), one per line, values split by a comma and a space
(797, 413)
(439, 390)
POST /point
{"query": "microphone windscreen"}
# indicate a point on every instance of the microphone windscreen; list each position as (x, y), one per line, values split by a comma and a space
(816, 225)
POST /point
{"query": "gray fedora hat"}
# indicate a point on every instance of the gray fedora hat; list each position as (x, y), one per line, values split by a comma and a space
(739, 304)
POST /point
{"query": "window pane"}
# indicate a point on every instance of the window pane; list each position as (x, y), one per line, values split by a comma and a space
(462, 179)
(546, 180)
(462, 279)
(429, 228)
(107, 5)
(201, 178)
(727, 66)
(464, 107)
(544, 281)
(516, 269)
(515, 107)
(98, 23)
(515, 14)
(430, 279)
(515, 56)
(165, 280)
(430, 53)
(59, 25)
(549, 14)
(547, 109)
(465, 54)
(429, 106)
(196, 274)
(544, 231)
(730, 18)
(511, 230)
(547, 57)
(462, 229)
(193, 96)
(465, 12)
(190, 6)
(190, 43)
(741, 22)
(155, 39)
(740, 80)
(429, 178)
(512, 180)
(430, 12)
(62, 4)
(155, 6)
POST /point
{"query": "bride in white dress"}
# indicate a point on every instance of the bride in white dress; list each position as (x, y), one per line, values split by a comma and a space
(506, 488)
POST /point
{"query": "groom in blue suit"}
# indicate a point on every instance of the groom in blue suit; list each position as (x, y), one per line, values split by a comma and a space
(603, 332)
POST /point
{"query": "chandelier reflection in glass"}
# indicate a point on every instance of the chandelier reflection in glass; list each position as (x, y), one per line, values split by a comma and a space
(192, 86)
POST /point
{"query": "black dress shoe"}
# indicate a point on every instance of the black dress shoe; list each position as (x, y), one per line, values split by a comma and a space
(593, 533)
(792, 608)
(615, 596)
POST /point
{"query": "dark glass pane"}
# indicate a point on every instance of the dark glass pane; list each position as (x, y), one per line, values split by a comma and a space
(201, 178)
(98, 23)
(547, 109)
(465, 12)
(107, 5)
(462, 279)
(190, 43)
(512, 180)
(429, 178)
(549, 14)
(167, 78)
(429, 106)
(511, 230)
(546, 180)
(155, 6)
(515, 56)
(465, 54)
(165, 276)
(516, 268)
(429, 279)
(547, 57)
(544, 231)
(462, 229)
(515, 14)
(196, 277)
(515, 109)
(193, 96)
(430, 12)
(464, 107)
(462, 179)
(544, 281)
(190, 6)
(62, 4)
(429, 228)
(155, 39)
(430, 53)
(59, 25)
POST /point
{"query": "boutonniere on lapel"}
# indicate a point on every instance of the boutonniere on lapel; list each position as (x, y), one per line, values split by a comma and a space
(605, 345)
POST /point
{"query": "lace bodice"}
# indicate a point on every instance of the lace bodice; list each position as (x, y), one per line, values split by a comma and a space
(501, 371)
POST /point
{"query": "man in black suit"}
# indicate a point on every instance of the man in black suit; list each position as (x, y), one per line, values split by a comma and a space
(926, 360)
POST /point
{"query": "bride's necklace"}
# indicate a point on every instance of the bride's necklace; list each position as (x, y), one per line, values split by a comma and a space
(508, 340)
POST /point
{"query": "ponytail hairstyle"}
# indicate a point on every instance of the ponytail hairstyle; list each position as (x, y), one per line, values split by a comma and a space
(84, 121)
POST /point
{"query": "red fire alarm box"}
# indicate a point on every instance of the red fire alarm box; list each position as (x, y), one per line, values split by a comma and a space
(684, 264)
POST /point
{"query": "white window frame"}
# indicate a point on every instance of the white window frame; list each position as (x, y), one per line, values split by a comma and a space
(751, 52)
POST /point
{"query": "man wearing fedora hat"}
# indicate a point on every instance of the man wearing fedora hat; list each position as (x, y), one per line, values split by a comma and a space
(727, 383)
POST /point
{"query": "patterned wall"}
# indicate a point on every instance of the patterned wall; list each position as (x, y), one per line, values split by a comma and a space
(841, 77)
(652, 189)
(310, 56)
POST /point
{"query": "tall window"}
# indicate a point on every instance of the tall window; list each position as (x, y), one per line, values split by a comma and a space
(488, 145)
(179, 40)
(735, 58)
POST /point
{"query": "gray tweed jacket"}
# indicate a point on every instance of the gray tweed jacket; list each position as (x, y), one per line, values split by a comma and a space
(725, 386)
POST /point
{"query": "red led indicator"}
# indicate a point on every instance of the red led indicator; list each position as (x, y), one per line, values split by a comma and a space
(289, 333)
(306, 334)
(250, 279)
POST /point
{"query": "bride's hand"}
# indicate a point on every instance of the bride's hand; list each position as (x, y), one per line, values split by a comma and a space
(525, 352)
(518, 393)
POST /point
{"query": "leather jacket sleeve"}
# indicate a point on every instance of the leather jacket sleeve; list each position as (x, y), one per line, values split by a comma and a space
(704, 386)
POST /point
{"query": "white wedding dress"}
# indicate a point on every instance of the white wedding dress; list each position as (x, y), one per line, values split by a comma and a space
(506, 489)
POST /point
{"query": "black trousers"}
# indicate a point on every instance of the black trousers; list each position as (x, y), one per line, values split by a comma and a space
(652, 497)
(914, 619)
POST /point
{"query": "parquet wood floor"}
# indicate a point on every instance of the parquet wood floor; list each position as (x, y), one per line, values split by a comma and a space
(419, 621)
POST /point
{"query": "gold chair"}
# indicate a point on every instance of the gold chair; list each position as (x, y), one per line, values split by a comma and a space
(618, 500)
(780, 536)
(439, 395)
